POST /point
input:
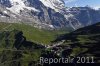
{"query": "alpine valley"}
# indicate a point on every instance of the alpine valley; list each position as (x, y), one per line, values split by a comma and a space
(30, 29)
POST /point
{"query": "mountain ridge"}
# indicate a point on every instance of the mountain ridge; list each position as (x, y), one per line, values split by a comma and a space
(49, 14)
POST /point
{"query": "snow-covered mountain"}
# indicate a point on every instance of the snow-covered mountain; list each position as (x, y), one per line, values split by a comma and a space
(48, 14)
(57, 5)
(18, 5)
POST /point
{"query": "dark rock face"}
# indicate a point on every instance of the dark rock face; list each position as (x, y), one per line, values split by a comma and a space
(5, 3)
(48, 16)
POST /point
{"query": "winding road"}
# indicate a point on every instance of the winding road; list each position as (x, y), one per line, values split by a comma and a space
(55, 45)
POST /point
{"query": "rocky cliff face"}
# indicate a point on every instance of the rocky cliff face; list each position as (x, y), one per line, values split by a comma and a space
(86, 15)
(47, 14)
(33, 12)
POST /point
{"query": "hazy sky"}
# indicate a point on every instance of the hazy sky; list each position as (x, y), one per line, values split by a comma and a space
(91, 3)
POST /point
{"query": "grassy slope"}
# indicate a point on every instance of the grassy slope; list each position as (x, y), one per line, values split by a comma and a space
(85, 41)
(31, 33)
(14, 48)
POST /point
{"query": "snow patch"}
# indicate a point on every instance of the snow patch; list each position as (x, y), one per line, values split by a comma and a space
(5, 12)
(2, 16)
(68, 16)
(54, 4)
(18, 5)
(51, 26)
